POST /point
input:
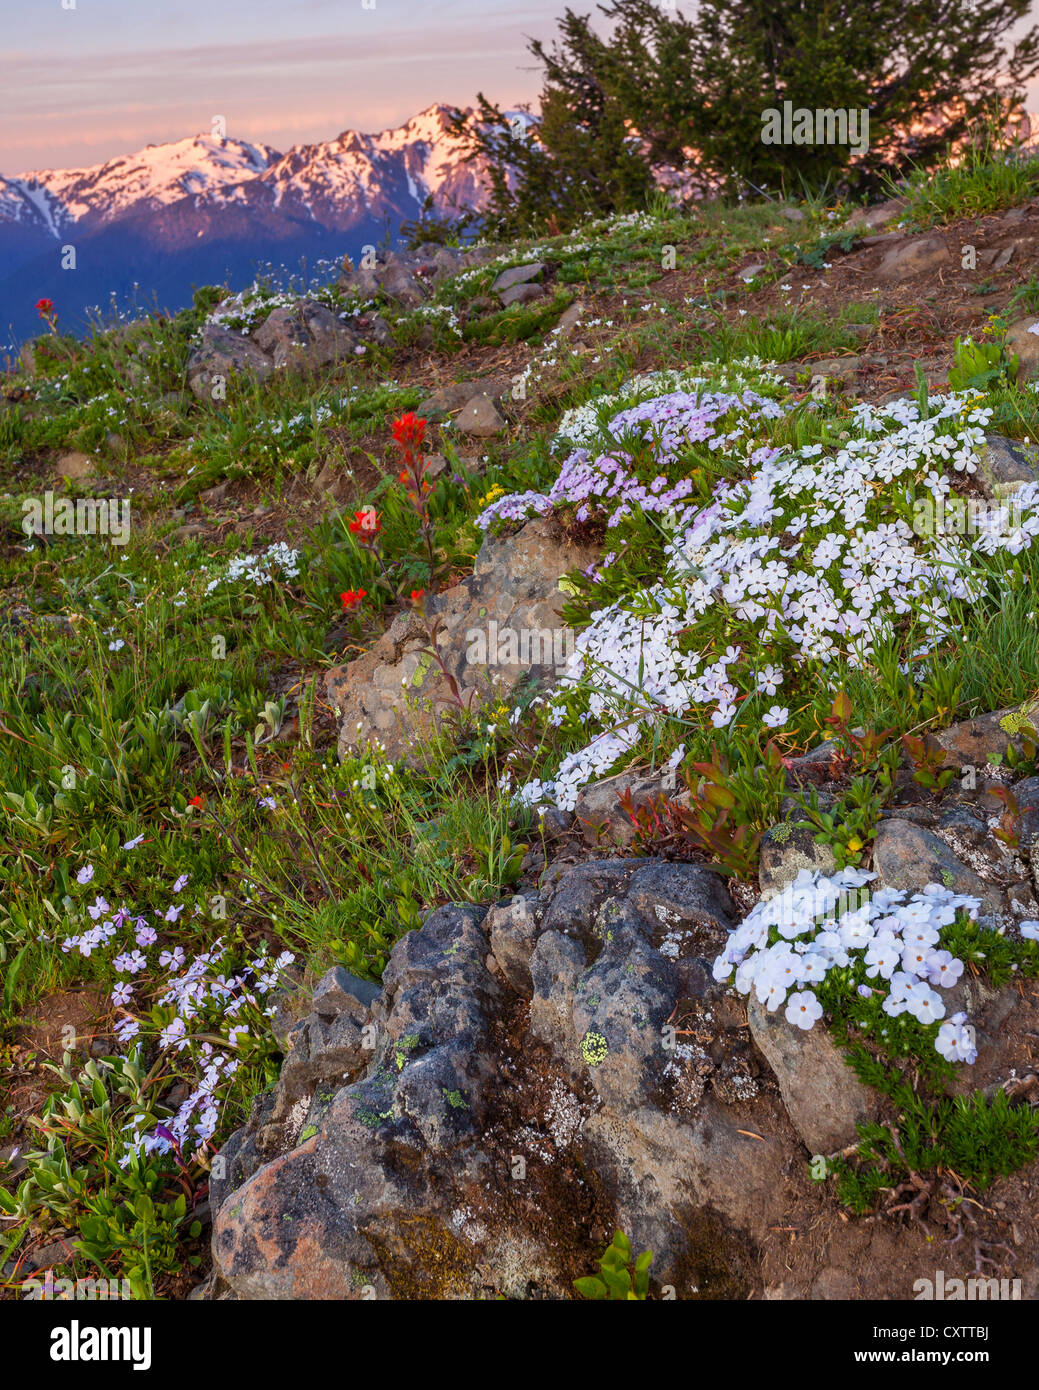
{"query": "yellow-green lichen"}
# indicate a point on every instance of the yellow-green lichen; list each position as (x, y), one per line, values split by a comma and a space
(594, 1048)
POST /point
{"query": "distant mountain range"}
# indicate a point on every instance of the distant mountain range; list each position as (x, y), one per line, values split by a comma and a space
(152, 226)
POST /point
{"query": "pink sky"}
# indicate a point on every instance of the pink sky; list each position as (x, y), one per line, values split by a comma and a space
(79, 86)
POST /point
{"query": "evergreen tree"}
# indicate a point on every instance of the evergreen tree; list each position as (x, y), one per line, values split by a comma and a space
(695, 93)
(705, 84)
(580, 156)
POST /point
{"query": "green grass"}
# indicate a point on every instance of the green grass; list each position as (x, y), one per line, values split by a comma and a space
(986, 179)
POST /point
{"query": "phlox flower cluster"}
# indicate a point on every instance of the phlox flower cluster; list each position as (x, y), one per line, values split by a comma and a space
(788, 945)
(210, 993)
(808, 560)
(247, 308)
(604, 482)
(277, 559)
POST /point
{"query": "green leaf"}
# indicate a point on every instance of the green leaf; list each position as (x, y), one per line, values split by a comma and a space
(618, 1281)
(590, 1287)
(623, 1244)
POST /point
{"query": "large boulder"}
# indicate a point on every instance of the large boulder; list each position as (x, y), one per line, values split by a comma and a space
(499, 626)
(305, 335)
(450, 1140)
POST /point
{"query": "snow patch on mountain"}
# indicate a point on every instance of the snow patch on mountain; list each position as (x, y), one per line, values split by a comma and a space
(392, 172)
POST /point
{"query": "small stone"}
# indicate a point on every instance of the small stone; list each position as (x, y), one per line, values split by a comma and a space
(599, 814)
(1005, 465)
(480, 417)
(74, 466)
(555, 824)
(339, 991)
(49, 1256)
(517, 275)
(879, 215)
(787, 849)
(843, 368)
(457, 393)
(571, 317)
(972, 744)
(522, 294)
(1026, 345)
(914, 257)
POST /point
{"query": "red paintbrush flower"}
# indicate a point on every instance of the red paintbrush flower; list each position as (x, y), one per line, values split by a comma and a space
(416, 595)
(409, 430)
(366, 523)
(45, 307)
(352, 598)
(196, 801)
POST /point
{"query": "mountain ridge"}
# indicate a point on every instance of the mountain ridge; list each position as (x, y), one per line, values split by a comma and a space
(171, 216)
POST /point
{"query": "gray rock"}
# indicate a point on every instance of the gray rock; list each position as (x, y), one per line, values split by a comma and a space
(822, 1095)
(555, 825)
(965, 823)
(455, 394)
(879, 215)
(571, 317)
(1005, 465)
(975, 743)
(1026, 345)
(909, 857)
(307, 335)
(1026, 793)
(398, 1179)
(517, 275)
(917, 256)
(297, 1226)
(686, 908)
(221, 356)
(787, 849)
(598, 811)
(480, 417)
(51, 1256)
(556, 964)
(397, 284)
(513, 929)
(840, 368)
(498, 627)
(522, 294)
(338, 991)
(573, 902)
(373, 326)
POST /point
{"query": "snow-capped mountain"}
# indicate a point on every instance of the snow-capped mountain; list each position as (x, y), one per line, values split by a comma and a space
(336, 181)
(209, 209)
(200, 167)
